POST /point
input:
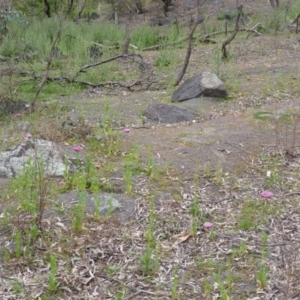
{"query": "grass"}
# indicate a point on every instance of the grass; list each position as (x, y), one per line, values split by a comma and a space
(254, 214)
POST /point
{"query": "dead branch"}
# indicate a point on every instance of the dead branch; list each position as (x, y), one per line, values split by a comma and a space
(157, 47)
(189, 46)
(250, 30)
(231, 38)
(45, 76)
(206, 38)
(47, 8)
(136, 58)
(296, 21)
(125, 56)
(60, 79)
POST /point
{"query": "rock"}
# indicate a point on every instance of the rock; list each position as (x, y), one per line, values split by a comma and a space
(165, 113)
(192, 20)
(9, 106)
(94, 16)
(95, 52)
(102, 203)
(13, 161)
(204, 84)
(162, 22)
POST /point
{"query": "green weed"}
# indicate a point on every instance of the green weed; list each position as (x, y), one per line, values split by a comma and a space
(17, 287)
(262, 276)
(207, 170)
(256, 213)
(79, 212)
(195, 212)
(149, 234)
(264, 245)
(218, 173)
(222, 288)
(52, 284)
(149, 263)
(174, 283)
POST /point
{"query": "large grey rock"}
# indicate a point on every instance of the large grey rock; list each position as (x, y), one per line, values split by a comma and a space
(162, 21)
(164, 113)
(9, 106)
(94, 16)
(53, 157)
(102, 203)
(203, 84)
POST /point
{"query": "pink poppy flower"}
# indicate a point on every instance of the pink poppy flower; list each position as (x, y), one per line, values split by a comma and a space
(267, 194)
(18, 115)
(28, 136)
(207, 225)
(78, 148)
(97, 166)
(23, 145)
(127, 130)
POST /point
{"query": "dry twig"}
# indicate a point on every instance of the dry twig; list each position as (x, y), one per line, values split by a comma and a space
(231, 38)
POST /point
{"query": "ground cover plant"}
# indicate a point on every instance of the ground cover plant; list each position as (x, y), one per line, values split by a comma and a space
(218, 223)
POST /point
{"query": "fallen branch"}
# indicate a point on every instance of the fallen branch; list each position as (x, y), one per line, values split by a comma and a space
(59, 79)
(126, 56)
(74, 79)
(250, 30)
(205, 38)
(157, 47)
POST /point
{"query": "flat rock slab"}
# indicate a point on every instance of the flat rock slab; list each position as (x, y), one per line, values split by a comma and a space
(102, 203)
(164, 113)
(51, 155)
(204, 84)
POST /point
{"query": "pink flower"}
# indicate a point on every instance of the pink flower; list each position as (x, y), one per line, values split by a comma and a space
(207, 225)
(28, 136)
(97, 166)
(18, 115)
(78, 148)
(23, 145)
(27, 106)
(267, 194)
(127, 130)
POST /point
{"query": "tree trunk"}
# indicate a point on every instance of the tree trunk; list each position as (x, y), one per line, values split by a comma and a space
(274, 3)
(70, 6)
(47, 8)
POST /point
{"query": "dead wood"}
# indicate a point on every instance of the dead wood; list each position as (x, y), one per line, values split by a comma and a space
(136, 58)
(157, 47)
(45, 76)
(205, 39)
(250, 30)
(82, 9)
(296, 21)
(234, 33)
(47, 8)
(189, 46)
